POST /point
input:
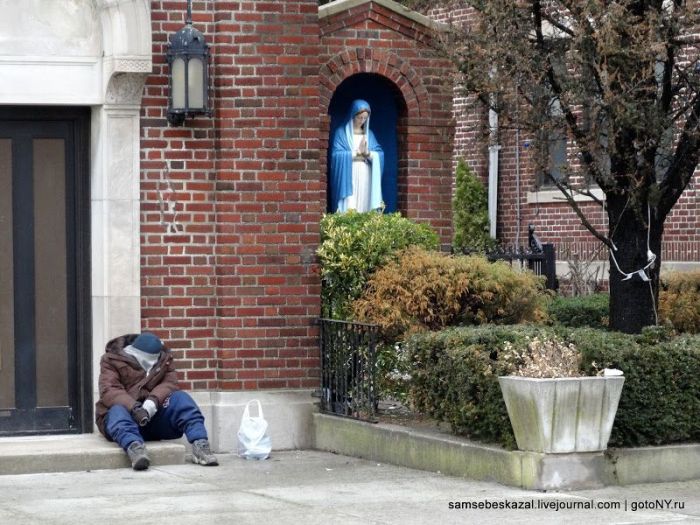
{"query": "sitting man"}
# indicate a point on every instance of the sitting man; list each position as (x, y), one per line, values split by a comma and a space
(140, 400)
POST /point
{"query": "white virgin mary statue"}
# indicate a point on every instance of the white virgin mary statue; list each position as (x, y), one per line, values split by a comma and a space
(357, 163)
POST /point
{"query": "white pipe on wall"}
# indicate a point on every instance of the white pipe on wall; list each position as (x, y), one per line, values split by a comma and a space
(494, 148)
(518, 217)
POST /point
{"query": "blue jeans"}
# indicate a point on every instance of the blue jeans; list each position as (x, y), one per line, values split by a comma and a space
(179, 415)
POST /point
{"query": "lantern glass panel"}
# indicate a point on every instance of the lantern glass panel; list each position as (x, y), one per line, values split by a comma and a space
(178, 83)
(195, 83)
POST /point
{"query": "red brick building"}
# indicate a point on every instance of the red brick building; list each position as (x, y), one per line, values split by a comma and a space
(206, 233)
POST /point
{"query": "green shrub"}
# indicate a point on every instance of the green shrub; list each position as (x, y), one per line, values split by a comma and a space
(585, 310)
(456, 370)
(679, 301)
(470, 214)
(455, 377)
(354, 245)
(659, 402)
(430, 290)
(654, 335)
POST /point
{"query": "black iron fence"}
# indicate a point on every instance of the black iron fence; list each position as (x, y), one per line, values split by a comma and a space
(540, 258)
(540, 263)
(348, 369)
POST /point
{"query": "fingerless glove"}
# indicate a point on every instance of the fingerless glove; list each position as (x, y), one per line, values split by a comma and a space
(140, 415)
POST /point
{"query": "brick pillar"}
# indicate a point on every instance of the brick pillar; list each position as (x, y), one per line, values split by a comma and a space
(268, 194)
(229, 274)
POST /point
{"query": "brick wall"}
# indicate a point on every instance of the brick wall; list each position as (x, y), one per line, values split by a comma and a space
(231, 204)
(370, 38)
(554, 222)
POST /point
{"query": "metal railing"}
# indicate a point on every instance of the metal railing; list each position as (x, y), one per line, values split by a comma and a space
(540, 258)
(542, 262)
(348, 369)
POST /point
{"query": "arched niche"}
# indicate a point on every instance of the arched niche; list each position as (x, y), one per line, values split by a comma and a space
(388, 122)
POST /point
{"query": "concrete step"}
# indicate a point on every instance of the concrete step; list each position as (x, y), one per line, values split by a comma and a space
(67, 453)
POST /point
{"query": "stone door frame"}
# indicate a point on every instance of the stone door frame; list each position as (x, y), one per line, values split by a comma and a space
(109, 78)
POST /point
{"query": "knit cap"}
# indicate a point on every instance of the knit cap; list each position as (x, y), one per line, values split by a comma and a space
(147, 342)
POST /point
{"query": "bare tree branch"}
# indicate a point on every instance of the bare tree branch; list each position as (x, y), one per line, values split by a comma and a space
(685, 160)
(579, 212)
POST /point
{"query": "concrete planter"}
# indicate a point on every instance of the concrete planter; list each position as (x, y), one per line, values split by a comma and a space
(562, 415)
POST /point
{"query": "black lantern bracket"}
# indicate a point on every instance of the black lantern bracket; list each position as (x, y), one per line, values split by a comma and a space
(188, 61)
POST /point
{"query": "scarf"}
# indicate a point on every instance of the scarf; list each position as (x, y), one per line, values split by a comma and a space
(144, 359)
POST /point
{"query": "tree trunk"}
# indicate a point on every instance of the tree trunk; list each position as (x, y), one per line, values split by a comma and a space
(633, 302)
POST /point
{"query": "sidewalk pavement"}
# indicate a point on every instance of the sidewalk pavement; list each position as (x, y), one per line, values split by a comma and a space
(309, 487)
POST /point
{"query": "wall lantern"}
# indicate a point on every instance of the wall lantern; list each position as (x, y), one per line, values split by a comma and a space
(188, 57)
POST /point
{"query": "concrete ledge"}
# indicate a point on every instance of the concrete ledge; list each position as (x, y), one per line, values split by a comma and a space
(29, 455)
(456, 456)
(655, 464)
(415, 449)
(288, 414)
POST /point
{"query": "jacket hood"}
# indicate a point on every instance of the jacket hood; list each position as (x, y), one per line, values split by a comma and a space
(118, 344)
(115, 349)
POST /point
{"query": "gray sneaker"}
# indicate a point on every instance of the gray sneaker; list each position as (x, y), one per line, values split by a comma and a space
(138, 456)
(201, 453)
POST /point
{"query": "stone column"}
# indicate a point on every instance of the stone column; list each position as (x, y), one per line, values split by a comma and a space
(116, 276)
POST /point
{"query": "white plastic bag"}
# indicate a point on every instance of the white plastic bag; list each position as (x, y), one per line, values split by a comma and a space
(253, 441)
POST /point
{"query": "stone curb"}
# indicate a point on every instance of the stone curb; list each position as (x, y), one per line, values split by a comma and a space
(455, 456)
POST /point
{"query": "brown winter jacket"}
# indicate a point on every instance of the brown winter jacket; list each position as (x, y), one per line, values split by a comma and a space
(123, 381)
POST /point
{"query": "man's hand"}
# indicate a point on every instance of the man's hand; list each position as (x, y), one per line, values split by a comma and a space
(140, 415)
(150, 406)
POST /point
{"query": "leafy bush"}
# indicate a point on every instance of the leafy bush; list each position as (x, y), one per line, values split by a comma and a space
(354, 245)
(659, 402)
(585, 310)
(456, 370)
(679, 301)
(470, 214)
(429, 290)
(455, 377)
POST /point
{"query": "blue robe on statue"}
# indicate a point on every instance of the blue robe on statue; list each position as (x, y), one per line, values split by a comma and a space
(340, 185)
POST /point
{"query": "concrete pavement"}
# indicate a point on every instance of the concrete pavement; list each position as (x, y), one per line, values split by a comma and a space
(310, 487)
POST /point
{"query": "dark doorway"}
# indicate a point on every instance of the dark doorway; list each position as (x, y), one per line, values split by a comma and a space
(387, 106)
(44, 271)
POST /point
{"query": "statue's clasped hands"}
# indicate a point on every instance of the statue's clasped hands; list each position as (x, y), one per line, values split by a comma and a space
(363, 151)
